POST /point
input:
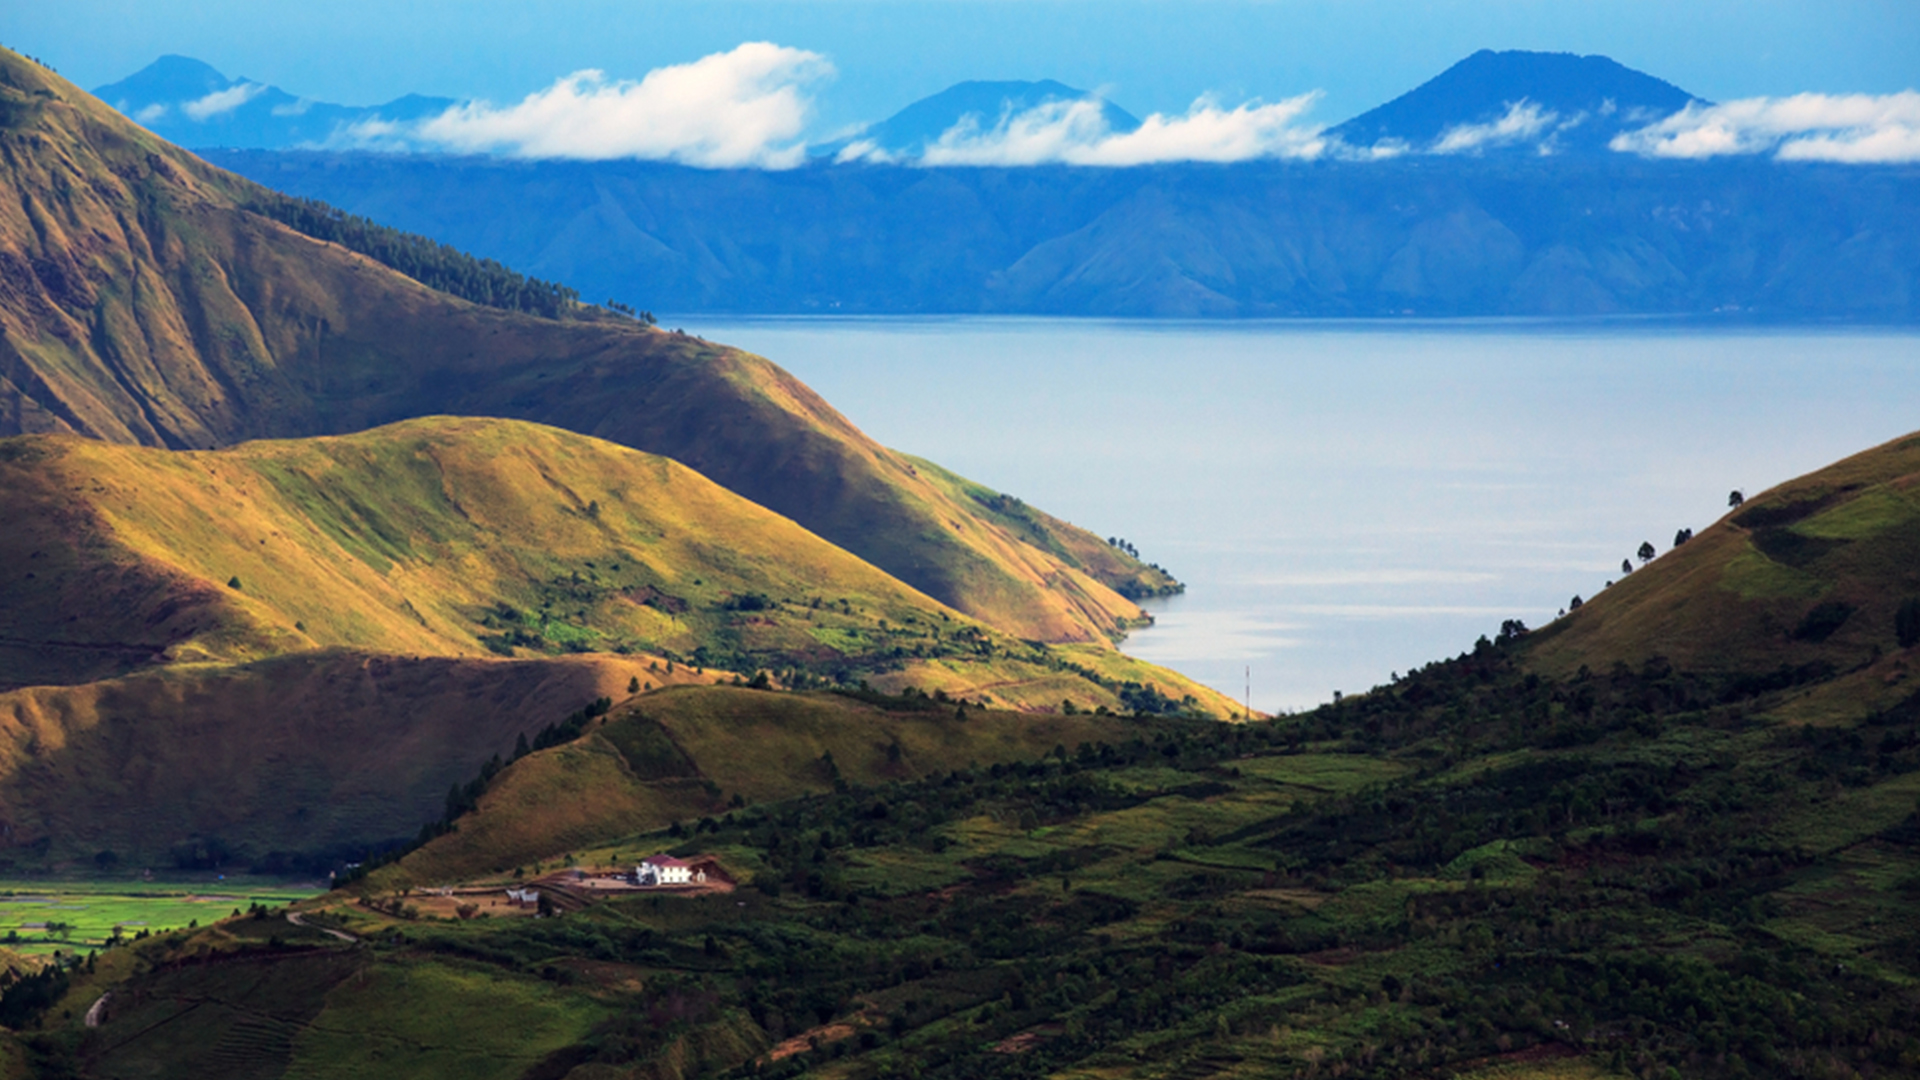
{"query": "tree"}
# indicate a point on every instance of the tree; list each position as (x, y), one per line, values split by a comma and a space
(1574, 604)
(1682, 537)
(1626, 566)
(1734, 498)
(1646, 552)
(1906, 622)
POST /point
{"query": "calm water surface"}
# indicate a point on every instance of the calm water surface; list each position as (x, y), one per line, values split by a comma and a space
(1351, 500)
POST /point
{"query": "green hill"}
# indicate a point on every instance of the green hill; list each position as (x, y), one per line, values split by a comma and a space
(156, 300)
(687, 753)
(1626, 845)
(1802, 585)
(298, 645)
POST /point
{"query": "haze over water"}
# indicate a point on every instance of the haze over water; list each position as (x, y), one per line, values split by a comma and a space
(1345, 501)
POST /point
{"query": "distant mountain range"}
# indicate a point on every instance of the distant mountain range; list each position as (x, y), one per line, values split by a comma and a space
(909, 132)
(187, 101)
(1501, 235)
(1489, 102)
(1497, 196)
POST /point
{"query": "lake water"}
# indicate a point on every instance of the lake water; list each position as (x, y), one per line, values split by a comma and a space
(1349, 500)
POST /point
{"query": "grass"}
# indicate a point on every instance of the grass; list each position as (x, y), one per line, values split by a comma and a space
(429, 1020)
(92, 910)
(1366, 890)
(392, 348)
(1848, 534)
(379, 574)
(681, 754)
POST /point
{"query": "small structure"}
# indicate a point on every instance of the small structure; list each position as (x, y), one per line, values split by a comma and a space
(523, 897)
(662, 870)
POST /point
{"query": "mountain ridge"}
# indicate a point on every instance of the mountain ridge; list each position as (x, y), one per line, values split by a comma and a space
(148, 305)
(982, 103)
(1426, 236)
(402, 603)
(189, 102)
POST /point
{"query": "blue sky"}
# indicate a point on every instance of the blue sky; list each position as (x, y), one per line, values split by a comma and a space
(1148, 55)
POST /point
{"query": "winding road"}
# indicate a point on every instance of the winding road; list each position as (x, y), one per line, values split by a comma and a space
(294, 918)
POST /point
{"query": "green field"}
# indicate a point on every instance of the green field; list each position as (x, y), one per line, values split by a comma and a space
(32, 911)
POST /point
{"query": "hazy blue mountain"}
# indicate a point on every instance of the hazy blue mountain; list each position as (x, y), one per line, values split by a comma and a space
(908, 132)
(188, 102)
(1420, 236)
(1580, 103)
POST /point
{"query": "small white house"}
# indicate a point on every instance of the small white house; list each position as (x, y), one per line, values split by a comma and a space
(523, 896)
(662, 870)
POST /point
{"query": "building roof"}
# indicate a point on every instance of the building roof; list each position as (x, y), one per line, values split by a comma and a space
(661, 860)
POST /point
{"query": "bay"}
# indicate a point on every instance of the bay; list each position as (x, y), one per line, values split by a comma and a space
(1348, 500)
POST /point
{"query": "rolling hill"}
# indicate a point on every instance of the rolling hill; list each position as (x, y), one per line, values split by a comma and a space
(687, 753)
(1803, 584)
(296, 645)
(1672, 835)
(147, 303)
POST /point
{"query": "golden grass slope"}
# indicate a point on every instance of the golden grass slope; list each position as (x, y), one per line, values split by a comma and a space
(466, 537)
(683, 753)
(141, 302)
(290, 644)
(1811, 572)
(406, 539)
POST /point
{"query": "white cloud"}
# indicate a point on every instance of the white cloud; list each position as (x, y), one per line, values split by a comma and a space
(148, 114)
(1852, 128)
(742, 108)
(863, 150)
(1076, 133)
(1524, 120)
(221, 102)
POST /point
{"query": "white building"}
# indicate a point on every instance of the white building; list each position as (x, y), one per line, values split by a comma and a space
(662, 870)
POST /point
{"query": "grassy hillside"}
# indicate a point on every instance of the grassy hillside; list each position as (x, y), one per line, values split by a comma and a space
(471, 537)
(1477, 871)
(689, 753)
(148, 303)
(1633, 844)
(298, 645)
(1801, 583)
(313, 756)
(441, 536)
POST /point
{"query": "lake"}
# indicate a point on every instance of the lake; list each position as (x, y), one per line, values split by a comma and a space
(1349, 500)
